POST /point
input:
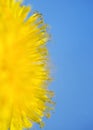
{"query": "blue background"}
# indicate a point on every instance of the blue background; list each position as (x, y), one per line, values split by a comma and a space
(71, 50)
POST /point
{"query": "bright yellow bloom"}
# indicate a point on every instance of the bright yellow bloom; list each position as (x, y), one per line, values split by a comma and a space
(24, 71)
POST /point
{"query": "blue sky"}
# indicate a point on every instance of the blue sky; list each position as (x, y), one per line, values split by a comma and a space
(71, 50)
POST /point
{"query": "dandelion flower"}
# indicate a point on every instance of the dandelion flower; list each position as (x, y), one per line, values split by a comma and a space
(24, 71)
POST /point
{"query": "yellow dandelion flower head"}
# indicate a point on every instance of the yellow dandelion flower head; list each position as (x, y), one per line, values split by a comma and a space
(24, 71)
